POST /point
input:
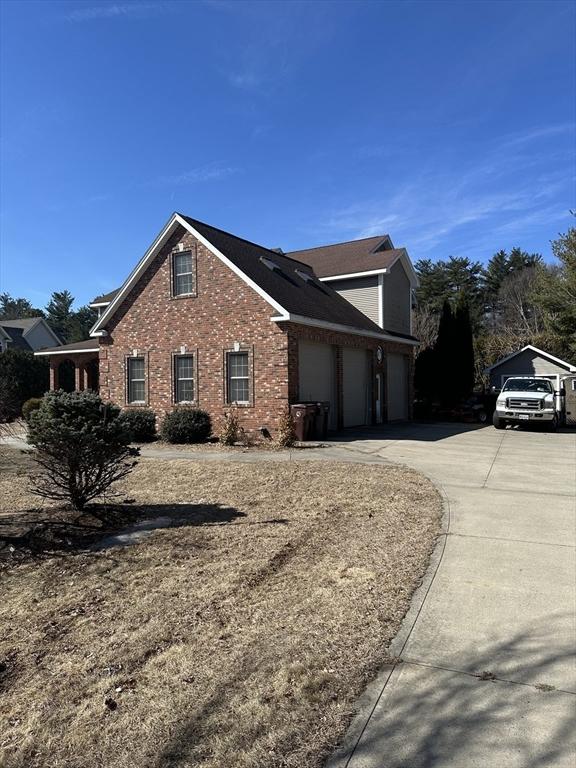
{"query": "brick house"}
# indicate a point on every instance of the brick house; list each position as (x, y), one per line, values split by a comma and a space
(208, 319)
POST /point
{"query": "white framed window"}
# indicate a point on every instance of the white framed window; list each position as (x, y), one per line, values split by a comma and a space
(238, 377)
(136, 380)
(573, 385)
(183, 277)
(184, 386)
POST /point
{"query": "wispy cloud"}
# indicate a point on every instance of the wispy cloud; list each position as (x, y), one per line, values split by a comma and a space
(275, 40)
(468, 208)
(542, 132)
(114, 11)
(200, 175)
(210, 172)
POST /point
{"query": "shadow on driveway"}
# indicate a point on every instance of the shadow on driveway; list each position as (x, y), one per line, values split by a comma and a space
(420, 431)
(436, 717)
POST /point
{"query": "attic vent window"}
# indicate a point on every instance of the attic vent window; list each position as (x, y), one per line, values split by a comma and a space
(305, 276)
(270, 264)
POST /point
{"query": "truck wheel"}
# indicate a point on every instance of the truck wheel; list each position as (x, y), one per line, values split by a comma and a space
(498, 422)
(482, 417)
(553, 425)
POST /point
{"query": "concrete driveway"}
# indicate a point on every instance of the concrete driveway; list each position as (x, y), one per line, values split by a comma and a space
(487, 677)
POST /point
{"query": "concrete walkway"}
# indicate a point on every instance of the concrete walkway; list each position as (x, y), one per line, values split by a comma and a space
(487, 678)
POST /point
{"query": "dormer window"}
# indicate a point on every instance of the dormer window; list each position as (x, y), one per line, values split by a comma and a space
(270, 264)
(306, 276)
(183, 274)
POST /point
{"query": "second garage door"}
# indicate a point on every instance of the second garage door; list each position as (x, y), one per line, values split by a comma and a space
(355, 384)
(397, 387)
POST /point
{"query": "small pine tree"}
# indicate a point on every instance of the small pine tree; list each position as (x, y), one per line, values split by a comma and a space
(82, 447)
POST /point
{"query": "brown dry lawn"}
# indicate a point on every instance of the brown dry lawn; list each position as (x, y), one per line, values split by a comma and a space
(239, 638)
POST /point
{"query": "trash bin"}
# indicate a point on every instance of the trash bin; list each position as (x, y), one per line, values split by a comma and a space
(322, 418)
(303, 415)
(319, 414)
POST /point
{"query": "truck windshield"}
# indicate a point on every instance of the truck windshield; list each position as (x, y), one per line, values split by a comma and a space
(527, 385)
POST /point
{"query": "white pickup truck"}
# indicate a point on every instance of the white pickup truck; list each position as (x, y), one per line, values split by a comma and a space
(528, 399)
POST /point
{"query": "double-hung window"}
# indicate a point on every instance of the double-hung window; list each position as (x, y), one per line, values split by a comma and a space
(183, 277)
(184, 378)
(136, 380)
(238, 375)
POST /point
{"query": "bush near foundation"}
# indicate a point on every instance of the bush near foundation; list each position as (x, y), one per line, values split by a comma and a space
(140, 423)
(186, 425)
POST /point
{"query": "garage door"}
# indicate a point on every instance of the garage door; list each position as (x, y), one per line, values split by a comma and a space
(355, 385)
(316, 372)
(397, 387)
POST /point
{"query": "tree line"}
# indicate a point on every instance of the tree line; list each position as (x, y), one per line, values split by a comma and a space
(70, 324)
(469, 315)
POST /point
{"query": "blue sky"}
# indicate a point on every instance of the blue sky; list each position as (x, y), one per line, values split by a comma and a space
(448, 125)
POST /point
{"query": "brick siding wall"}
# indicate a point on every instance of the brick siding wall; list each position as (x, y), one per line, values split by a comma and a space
(223, 312)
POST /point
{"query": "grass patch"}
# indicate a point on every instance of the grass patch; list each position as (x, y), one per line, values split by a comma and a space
(241, 637)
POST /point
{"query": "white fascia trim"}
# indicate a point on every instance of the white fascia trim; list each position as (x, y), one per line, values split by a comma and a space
(99, 304)
(237, 271)
(300, 320)
(174, 221)
(134, 276)
(352, 274)
(403, 257)
(571, 368)
(66, 351)
(381, 301)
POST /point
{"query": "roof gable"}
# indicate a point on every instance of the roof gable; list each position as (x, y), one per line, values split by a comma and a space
(288, 293)
(371, 255)
(530, 348)
(19, 328)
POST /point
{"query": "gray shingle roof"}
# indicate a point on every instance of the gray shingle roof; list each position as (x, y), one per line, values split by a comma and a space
(24, 323)
(348, 258)
(105, 297)
(17, 340)
(76, 346)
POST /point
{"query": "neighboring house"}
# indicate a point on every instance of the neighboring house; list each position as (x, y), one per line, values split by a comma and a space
(29, 333)
(210, 319)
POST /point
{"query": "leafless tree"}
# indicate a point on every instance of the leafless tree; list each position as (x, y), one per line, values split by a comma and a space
(520, 314)
(425, 326)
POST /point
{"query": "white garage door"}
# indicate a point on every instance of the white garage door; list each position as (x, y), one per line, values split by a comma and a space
(397, 387)
(355, 384)
(316, 373)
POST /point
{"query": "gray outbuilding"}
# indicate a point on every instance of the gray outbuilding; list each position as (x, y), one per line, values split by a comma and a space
(531, 361)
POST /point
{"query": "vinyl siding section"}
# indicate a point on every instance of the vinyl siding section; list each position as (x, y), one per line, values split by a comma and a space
(40, 338)
(397, 300)
(527, 363)
(362, 292)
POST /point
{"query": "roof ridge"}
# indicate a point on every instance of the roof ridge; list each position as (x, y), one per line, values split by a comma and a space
(344, 242)
(244, 240)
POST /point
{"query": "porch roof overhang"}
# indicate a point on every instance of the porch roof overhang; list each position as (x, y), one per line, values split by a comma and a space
(90, 346)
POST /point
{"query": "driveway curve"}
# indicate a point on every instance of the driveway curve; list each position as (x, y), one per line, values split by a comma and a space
(487, 674)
